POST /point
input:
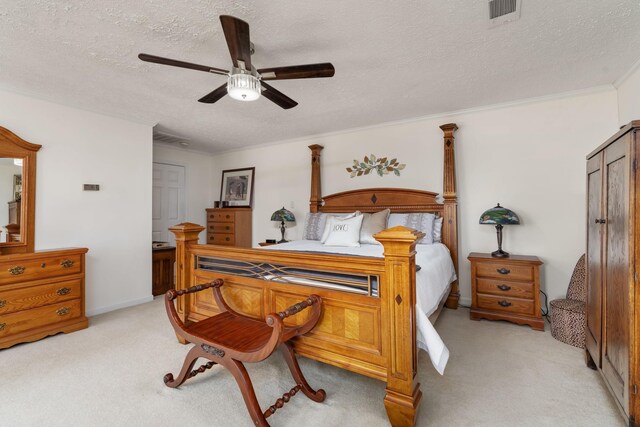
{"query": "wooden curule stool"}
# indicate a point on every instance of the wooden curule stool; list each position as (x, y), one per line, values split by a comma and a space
(229, 339)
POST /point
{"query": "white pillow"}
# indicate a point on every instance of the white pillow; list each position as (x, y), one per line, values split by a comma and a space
(417, 221)
(327, 227)
(372, 224)
(344, 232)
(437, 230)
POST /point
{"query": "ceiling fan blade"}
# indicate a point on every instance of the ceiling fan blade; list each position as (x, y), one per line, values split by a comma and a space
(277, 97)
(236, 31)
(175, 63)
(214, 96)
(298, 72)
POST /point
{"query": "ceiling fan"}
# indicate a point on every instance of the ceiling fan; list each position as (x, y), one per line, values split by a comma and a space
(244, 81)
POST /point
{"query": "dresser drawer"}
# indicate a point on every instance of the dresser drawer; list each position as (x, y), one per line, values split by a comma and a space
(39, 268)
(221, 217)
(511, 305)
(37, 296)
(221, 239)
(25, 320)
(505, 288)
(221, 227)
(505, 271)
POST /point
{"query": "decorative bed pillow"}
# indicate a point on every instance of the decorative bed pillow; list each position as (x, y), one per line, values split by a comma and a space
(327, 227)
(314, 225)
(418, 221)
(372, 224)
(344, 232)
(437, 230)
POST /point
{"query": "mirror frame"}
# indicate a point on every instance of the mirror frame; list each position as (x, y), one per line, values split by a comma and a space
(11, 145)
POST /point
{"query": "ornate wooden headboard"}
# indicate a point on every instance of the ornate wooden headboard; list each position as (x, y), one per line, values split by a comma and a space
(400, 200)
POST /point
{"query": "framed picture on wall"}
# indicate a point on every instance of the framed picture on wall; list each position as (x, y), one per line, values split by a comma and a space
(237, 187)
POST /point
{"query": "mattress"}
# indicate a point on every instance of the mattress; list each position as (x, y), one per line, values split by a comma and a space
(433, 282)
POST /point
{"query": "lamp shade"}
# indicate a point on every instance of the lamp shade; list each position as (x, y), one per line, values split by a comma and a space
(499, 215)
(283, 215)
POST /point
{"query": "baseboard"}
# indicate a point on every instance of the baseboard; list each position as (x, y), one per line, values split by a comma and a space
(465, 302)
(118, 306)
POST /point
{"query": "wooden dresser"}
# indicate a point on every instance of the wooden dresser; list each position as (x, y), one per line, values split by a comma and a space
(229, 226)
(41, 294)
(613, 252)
(506, 289)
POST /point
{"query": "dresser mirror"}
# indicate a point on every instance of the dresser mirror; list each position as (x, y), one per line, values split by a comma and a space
(17, 193)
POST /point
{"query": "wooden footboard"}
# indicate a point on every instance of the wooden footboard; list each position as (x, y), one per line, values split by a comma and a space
(367, 326)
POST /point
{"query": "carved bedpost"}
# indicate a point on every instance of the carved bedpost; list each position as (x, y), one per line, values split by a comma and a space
(316, 195)
(449, 230)
(398, 300)
(186, 235)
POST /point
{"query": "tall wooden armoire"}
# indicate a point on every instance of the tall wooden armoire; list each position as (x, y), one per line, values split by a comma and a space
(613, 250)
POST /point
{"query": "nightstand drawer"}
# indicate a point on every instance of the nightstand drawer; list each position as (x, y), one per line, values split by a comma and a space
(505, 271)
(505, 288)
(221, 239)
(221, 227)
(512, 305)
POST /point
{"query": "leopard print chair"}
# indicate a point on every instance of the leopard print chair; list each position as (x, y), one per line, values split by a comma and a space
(568, 316)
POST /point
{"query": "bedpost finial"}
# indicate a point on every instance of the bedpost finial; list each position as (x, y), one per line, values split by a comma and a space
(449, 129)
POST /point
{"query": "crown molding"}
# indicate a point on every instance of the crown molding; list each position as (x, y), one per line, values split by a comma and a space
(526, 101)
(623, 78)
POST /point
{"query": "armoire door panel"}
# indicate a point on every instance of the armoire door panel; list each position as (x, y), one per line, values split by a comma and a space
(615, 354)
(594, 255)
(613, 248)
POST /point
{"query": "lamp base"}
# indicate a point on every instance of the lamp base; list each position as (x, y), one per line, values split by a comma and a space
(500, 254)
(282, 241)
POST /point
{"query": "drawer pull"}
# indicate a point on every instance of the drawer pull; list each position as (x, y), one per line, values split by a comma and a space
(2, 326)
(3, 302)
(18, 269)
(63, 291)
(227, 227)
(504, 303)
(504, 287)
(503, 270)
(228, 216)
(67, 263)
(63, 311)
(227, 239)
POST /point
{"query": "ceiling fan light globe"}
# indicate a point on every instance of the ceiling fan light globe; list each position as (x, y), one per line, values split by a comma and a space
(243, 87)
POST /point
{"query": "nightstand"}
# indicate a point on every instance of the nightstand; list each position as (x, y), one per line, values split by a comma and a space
(506, 289)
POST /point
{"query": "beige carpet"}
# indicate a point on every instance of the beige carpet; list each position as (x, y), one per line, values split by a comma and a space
(111, 374)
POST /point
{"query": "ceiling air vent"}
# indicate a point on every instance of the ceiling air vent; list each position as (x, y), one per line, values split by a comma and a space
(168, 138)
(502, 11)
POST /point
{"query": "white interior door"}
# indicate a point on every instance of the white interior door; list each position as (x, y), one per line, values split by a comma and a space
(168, 200)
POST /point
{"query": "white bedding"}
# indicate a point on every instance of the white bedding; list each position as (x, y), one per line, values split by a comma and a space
(432, 283)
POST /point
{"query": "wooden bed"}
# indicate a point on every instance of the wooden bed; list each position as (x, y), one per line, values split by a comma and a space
(373, 334)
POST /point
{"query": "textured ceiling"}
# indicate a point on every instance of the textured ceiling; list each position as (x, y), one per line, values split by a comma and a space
(394, 59)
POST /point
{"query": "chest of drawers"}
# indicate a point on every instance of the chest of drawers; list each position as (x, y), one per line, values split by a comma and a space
(506, 289)
(229, 227)
(41, 294)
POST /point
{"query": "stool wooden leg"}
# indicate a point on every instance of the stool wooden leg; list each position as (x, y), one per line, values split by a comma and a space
(187, 366)
(289, 355)
(248, 394)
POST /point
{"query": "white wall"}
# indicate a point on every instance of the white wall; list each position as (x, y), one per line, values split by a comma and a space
(199, 182)
(529, 157)
(80, 147)
(629, 96)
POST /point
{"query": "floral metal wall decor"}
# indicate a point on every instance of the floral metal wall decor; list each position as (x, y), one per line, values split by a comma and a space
(382, 166)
